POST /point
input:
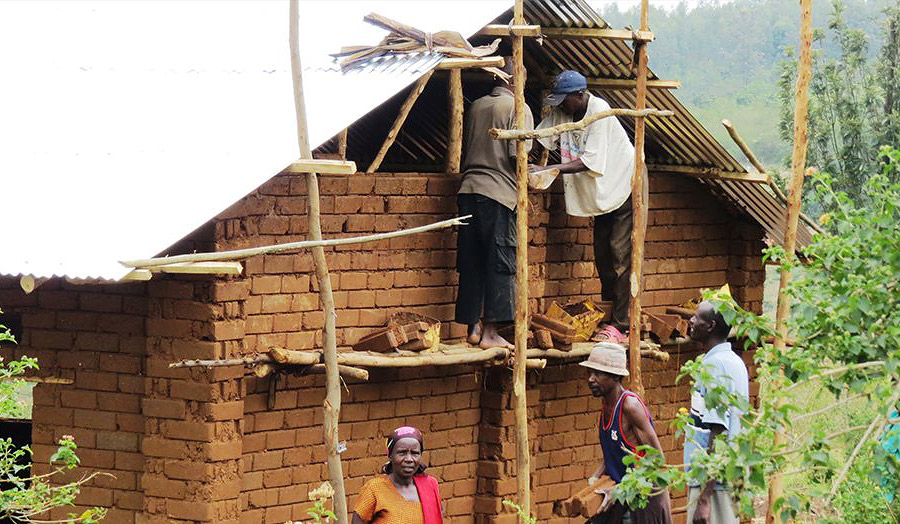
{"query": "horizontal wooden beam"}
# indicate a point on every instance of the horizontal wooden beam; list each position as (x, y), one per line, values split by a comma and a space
(510, 30)
(585, 33)
(468, 63)
(521, 134)
(628, 83)
(319, 165)
(710, 172)
(201, 268)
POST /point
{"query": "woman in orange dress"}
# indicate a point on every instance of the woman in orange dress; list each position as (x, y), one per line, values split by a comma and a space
(404, 494)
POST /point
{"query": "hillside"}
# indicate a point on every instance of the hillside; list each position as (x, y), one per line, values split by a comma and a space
(727, 58)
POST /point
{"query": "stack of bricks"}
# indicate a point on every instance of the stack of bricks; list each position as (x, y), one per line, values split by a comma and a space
(94, 335)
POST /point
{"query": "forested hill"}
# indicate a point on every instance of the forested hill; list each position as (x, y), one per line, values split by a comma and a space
(727, 57)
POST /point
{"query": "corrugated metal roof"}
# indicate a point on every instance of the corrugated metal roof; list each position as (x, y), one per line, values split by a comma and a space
(117, 151)
(126, 125)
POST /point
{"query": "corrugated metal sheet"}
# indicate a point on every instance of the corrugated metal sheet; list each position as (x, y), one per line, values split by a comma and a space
(126, 125)
(117, 151)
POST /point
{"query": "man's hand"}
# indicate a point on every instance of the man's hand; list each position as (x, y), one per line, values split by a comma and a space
(701, 513)
(607, 499)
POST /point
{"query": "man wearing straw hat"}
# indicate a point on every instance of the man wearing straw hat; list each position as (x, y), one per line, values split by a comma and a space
(625, 424)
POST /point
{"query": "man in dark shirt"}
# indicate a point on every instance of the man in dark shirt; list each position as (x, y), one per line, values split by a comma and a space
(486, 248)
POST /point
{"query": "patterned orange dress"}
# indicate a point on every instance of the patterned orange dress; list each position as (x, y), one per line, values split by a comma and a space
(379, 502)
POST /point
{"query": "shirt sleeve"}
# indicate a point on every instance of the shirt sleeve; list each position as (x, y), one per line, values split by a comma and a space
(366, 502)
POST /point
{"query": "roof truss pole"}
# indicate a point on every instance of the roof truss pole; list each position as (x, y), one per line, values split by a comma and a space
(523, 452)
(792, 217)
(639, 210)
(398, 122)
(332, 404)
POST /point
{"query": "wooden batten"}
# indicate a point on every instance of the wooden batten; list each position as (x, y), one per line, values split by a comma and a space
(325, 166)
(398, 122)
(468, 63)
(521, 134)
(455, 133)
(510, 30)
(630, 83)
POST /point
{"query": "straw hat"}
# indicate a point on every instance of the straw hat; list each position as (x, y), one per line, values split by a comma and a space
(608, 357)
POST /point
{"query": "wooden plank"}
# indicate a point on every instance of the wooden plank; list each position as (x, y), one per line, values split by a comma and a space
(455, 133)
(320, 165)
(792, 218)
(398, 122)
(332, 404)
(201, 268)
(468, 63)
(510, 30)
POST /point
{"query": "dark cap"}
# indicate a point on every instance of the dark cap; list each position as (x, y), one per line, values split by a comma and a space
(565, 83)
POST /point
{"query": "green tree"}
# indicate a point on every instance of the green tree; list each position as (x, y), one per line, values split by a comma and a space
(853, 106)
(26, 497)
(846, 325)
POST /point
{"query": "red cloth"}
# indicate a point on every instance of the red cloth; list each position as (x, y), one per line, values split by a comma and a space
(430, 498)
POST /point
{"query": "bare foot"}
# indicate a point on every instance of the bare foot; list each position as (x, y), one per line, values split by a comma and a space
(491, 339)
(474, 336)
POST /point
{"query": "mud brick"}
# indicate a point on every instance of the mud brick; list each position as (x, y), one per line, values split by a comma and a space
(382, 340)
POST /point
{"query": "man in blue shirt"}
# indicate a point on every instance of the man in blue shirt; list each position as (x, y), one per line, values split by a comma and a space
(711, 503)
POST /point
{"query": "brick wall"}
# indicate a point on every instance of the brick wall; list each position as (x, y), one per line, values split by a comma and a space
(692, 243)
(201, 446)
(95, 336)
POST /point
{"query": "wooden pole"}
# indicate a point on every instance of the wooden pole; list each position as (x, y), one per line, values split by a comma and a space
(398, 122)
(639, 211)
(455, 134)
(523, 453)
(342, 144)
(798, 167)
(519, 134)
(377, 360)
(332, 404)
(290, 246)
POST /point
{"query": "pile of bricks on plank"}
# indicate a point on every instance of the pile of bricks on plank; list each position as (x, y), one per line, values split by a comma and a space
(404, 331)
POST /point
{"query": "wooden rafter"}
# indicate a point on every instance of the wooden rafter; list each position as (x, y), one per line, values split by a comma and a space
(710, 172)
(510, 30)
(398, 122)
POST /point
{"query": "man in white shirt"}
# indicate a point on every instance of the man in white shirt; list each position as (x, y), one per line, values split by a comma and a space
(597, 164)
(711, 503)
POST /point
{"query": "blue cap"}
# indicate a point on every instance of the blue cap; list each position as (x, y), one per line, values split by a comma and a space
(565, 83)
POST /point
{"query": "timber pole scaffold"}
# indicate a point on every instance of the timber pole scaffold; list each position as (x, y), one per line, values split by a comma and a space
(792, 216)
(523, 451)
(332, 404)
